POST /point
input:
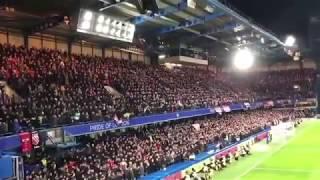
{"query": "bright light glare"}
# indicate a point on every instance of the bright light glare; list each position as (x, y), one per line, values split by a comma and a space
(162, 56)
(108, 21)
(243, 59)
(99, 28)
(290, 41)
(106, 29)
(124, 34)
(112, 31)
(100, 19)
(87, 16)
(131, 34)
(119, 25)
(85, 25)
(114, 23)
(118, 33)
(131, 27)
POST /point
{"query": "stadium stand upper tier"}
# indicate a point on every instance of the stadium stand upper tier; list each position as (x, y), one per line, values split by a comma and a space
(52, 89)
(285, 84)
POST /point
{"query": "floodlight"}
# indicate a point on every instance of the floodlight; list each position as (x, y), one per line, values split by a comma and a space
(100, 19)
(107, 21)
(118, 33)
(87, 16)
(162, 56)
(105, 29)
(99, 27)
(290, 41)
(296, 58)
(209, 9)
(243, 59)
(113, 30)
(130, 34)
(296, 86)
(125, 26)
(124, 34)
(104, 26)
(262, 40)
(85, 25)
(119, 25)
(131, 27)
(127, 35)
(114, 23)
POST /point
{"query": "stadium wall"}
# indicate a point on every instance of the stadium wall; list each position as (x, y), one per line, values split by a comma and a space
(40, 40)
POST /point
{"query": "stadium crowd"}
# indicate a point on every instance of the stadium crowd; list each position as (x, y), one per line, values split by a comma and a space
(276, 84)
(137, 152)
(54, 89)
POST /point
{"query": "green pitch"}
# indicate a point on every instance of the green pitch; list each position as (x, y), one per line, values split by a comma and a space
(297, 158)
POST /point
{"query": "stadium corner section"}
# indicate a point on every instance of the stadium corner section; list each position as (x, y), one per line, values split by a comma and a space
(178, 171)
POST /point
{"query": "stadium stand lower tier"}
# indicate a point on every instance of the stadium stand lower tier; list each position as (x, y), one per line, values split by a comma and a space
(137, 152)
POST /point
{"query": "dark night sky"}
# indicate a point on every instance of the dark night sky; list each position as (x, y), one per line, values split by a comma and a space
(282, 17)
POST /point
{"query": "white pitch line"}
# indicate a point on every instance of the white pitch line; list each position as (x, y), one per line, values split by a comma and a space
(289, 170)
(263, 159)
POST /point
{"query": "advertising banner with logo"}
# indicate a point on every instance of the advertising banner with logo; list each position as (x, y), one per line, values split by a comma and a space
(26, 142)
(35, 139)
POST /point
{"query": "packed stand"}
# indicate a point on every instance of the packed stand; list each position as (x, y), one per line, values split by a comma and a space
(57, 90)
(155, 89)
(138, 152)
(54, 90)
(287, 84)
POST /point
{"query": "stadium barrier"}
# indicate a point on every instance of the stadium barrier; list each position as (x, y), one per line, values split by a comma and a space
(11, 167)
(90, 128)
(10, 142)
(15, 141)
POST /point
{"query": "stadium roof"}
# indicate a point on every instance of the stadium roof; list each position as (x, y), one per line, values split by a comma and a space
(209, 24)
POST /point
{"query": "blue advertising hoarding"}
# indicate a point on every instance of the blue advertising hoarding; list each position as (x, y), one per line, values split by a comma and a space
(11, 142)
(89, 128)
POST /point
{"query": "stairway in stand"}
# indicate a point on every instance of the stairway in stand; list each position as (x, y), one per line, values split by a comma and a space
(10, 92)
